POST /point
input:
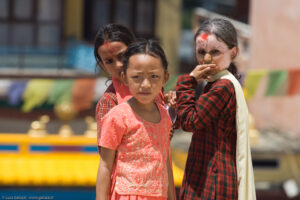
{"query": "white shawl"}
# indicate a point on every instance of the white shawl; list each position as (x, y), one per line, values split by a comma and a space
(245, 177)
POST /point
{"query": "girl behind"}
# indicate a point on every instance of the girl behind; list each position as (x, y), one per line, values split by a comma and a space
(219, 160)
(111, 42)
(135, 134)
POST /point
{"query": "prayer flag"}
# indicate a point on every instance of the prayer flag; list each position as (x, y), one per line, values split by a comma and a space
(294, 81)
(277, 82)
(36, 93)
(15, 92)
(61, 91)
(252, 81)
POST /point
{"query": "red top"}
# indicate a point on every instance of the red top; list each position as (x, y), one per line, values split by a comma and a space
(142, 150)
(106, 102)
(110, 100)
(210, 171)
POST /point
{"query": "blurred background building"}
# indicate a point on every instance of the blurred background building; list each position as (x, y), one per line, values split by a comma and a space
(49, 85)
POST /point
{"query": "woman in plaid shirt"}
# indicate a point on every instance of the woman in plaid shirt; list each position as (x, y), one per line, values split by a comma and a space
(219, 161)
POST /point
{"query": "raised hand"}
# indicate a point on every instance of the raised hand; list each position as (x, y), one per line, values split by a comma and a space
(204, 71)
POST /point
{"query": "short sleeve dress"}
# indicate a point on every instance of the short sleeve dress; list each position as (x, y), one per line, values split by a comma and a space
(141, 153)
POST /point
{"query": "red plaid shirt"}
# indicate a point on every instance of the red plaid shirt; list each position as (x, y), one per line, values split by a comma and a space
(210, 171)
(106, 102)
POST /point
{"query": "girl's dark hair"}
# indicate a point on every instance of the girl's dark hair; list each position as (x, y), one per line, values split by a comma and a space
(224, 31)
(111, 33)
(149, 47)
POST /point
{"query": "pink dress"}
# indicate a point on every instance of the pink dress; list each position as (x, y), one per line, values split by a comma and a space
(142, 148)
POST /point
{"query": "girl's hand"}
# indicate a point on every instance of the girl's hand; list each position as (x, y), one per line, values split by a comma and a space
(201, 72)
(170, 98)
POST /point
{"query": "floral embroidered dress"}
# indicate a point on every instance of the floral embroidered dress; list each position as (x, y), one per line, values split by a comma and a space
(115, 94)
(142, 148)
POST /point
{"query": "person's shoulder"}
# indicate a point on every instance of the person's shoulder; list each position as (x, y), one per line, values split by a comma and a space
(106, 102)
(121, 109)
(109, 96)
(119, 114)
(226, 83)
(110, 89)
(122, 106)
(223, 87)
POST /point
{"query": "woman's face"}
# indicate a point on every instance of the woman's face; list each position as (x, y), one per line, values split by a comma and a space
(210, 50)
(111, 55)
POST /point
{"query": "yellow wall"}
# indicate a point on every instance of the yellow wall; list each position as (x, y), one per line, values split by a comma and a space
(168, 25)
(74, 15)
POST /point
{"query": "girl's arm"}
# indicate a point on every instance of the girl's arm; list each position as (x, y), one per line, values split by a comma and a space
(104, 173)
(104, 105)
(196, 114)
(171, 187)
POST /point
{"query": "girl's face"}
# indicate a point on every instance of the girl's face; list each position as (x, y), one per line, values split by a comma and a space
(145, 77)
(210, 50)
(111, 55)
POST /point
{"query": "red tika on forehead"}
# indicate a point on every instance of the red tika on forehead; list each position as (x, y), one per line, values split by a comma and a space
(107, 43)
(204, 36)
(109, 47)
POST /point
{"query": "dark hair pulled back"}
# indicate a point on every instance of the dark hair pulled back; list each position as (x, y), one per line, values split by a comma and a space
(148, 47)
(111, 33)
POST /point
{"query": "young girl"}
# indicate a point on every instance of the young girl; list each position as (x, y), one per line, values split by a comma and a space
(219, 161)
(110, 44)
(135, 134)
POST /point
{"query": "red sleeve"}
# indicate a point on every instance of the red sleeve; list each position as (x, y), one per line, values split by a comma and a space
(104, 105)
(112, 129)
(196, 114)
